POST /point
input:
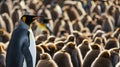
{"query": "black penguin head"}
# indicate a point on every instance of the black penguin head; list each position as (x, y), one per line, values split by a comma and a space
(28, 19)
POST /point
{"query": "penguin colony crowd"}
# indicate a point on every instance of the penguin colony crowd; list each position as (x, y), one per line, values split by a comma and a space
(85, 33)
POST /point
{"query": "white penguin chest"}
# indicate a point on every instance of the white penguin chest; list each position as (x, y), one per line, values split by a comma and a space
(32, 49)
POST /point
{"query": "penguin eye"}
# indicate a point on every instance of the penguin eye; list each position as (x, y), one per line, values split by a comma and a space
(24, 19)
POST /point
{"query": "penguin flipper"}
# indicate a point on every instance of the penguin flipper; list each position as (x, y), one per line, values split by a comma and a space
(27, 55)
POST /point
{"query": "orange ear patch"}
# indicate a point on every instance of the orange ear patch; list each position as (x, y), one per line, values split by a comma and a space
(24, 19)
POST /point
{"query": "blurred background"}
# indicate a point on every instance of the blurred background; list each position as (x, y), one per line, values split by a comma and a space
(68, 21)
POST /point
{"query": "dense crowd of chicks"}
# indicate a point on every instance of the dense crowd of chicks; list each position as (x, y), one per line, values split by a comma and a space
(85, 33)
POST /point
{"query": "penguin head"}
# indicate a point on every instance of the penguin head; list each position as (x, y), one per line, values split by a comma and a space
(59, 45)
(45, 56)
(52, 47)
(98, 40)
(105, 54)
(71, 45)
(28, 19)
(95, 46)
(85, 42)
(39, 49)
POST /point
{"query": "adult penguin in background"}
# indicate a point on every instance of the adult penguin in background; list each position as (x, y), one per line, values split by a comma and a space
(91, 55)
(21, 51)
(63, 59)
(46, 61)
(84, 47)
(42, 26)
(103, 60)
(74, 52)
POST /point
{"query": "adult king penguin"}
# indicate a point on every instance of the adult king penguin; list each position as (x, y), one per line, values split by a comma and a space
(21, 51)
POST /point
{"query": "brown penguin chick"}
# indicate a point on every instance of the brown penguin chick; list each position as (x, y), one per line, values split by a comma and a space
(107, 24)
(59, 45)
(77, 25)
(39, 51)
(116, 33)
(70, 38)
(6, 9)
(103, 60)
(99, 40)
(90, 24)
(99, 33)
(84, 47)
(8, 22)
(84, 19)
(57, 25)
(108, 35)
(46, 61)
(15, 15)
(62, 59)
(112, 43)
(2, 57)
(114, 57)
(40, 39)
(97, 27)
(79, 37)
(68, 26)
(91, 55)
(50, 39)
(54, 13)
(45, 48)
(72, 12)
(2, 23)
(45, 33)
(4, 36)
(32, 5)
(63, 32)
(75, 54)
(116, 17)
(52, 48)
(97, 9)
